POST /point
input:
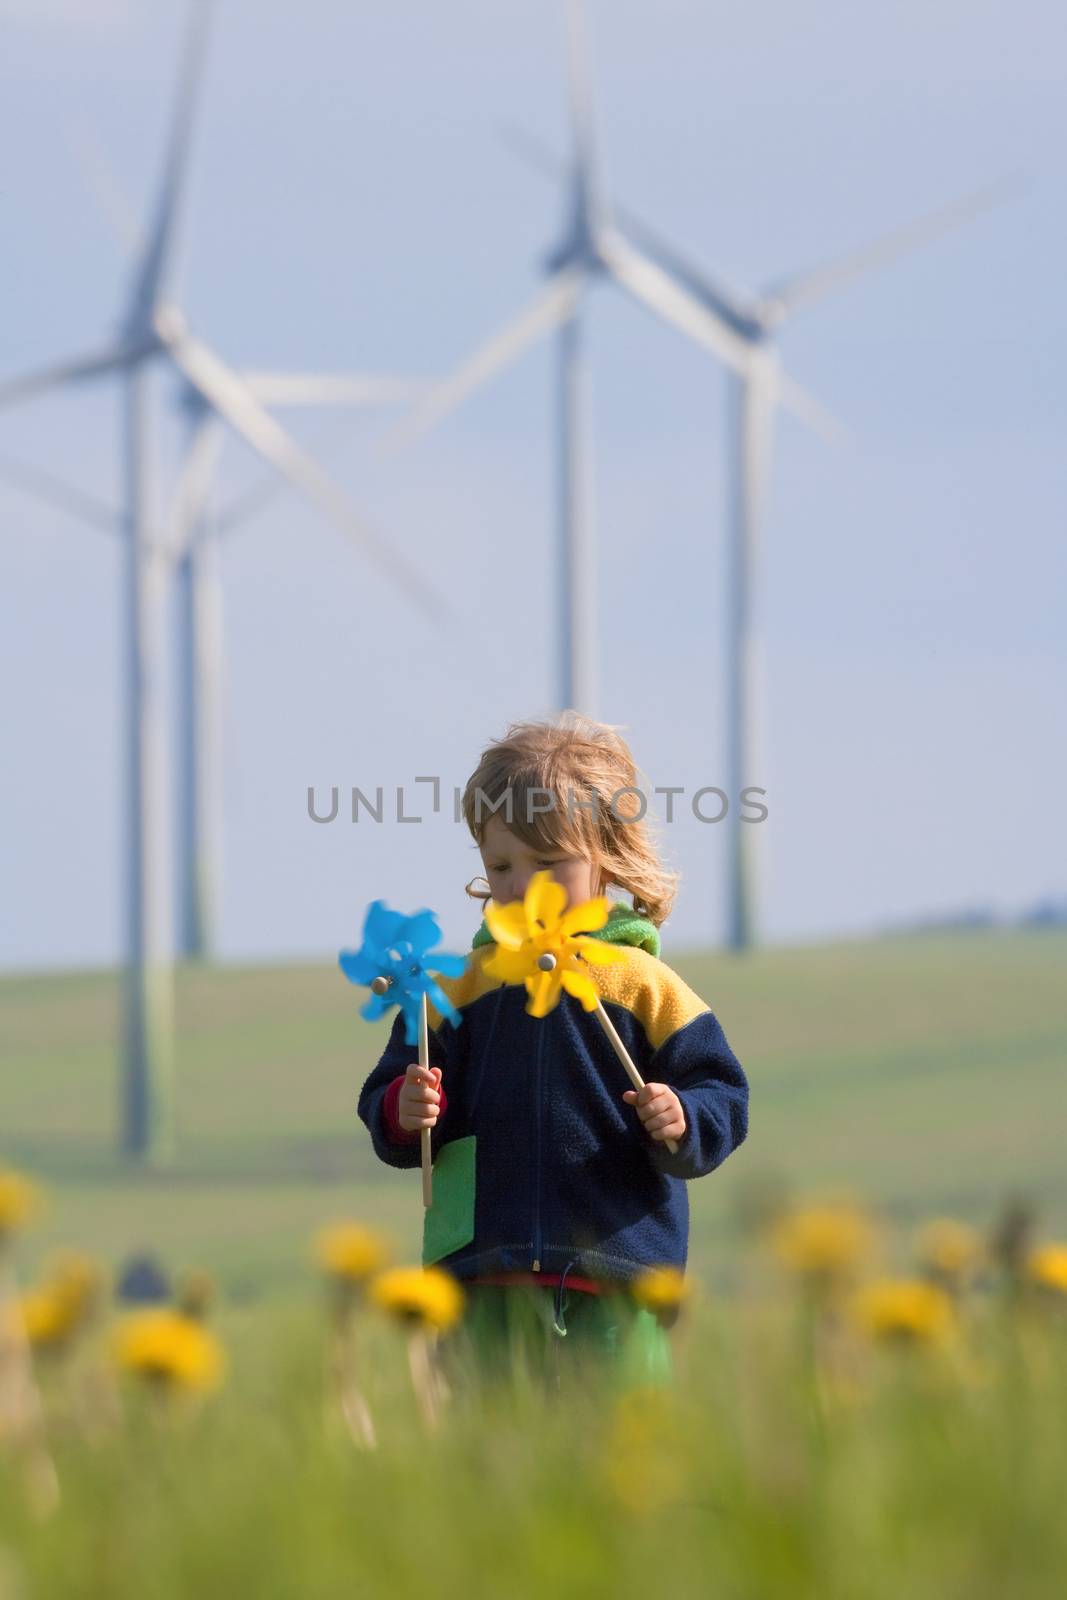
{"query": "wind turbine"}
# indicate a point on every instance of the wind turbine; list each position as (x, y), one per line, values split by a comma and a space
(152, 328)
(192, 533)
(755, 393)
(591, 247)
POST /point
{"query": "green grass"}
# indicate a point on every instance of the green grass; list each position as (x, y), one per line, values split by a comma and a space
(930, 1474)
(925, 1072)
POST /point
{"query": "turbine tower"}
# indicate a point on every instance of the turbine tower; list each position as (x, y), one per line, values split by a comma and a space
(152, 328)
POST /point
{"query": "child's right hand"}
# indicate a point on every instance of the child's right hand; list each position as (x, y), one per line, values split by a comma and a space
(418, 1104)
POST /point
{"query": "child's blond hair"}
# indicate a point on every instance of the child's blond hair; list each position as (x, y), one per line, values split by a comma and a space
(573, 759)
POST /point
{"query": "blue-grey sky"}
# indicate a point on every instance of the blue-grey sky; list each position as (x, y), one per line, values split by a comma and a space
(351, 206)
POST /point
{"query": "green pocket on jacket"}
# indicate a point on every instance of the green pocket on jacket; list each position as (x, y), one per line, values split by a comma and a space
(449, 1222)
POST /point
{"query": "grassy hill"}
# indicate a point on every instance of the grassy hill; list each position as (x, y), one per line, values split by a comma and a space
(925, 1072)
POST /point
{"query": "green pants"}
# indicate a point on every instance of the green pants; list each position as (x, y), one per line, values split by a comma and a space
(511, 1328)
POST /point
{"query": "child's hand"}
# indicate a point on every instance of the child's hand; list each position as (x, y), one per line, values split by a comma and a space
(418, 1105)
(659, 1108)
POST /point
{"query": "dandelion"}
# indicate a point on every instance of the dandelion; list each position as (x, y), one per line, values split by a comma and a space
(823, 1243)
(350, 1253)
(663, 1291)
(427, 1301)
(421, 1296)
(63, 1304)
(904, 1311)
(19, 1199)
(1046, 1268)
(949, 1252)
(21, 1412)
(170, 1349)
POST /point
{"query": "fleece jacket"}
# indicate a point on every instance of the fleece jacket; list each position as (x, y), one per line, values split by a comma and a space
(564, 1174)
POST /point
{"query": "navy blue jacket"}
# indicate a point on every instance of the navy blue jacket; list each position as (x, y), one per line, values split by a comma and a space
(564, 1172)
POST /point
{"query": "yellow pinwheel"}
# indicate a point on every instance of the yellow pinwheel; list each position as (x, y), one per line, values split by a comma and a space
(539, 925)
(539, 943)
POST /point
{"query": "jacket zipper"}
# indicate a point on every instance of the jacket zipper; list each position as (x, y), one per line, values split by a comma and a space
(537, 1157)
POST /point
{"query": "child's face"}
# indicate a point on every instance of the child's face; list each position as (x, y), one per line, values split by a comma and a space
(510, 863)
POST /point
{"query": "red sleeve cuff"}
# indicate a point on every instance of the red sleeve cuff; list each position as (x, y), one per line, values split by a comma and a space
(390, 1115)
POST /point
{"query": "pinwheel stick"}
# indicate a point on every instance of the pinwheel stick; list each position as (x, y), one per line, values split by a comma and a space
(424, 1063)
(546, 963)
(381, 985)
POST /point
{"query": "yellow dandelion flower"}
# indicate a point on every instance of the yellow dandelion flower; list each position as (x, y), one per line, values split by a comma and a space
(949, 1250)
(63, 1303)
(46, 1318)
(19, 1199)
(1047, 1267)
(661, 1288)
(827, 1241)
(908, 1310)
(423, 1295)
(540, 924)
(162, 1344)
(351, 1252)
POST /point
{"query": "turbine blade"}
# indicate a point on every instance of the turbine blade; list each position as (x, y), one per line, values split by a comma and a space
(803, 287)
(587, 199)
(653, 287)
(102, 184)
(810, 410)
(244, 506)
(151, 272)
(332, 389)
(223, 390)
(723, 301)
(549, 307)
(75, 502)
(94, 365)
(194, 484)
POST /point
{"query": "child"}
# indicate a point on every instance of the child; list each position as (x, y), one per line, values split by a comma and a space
(551, 1174)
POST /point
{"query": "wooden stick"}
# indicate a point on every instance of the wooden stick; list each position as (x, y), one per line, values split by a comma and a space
(424, 1062)
(624, 1056)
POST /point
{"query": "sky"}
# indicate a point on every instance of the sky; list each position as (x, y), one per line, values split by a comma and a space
(352, 206)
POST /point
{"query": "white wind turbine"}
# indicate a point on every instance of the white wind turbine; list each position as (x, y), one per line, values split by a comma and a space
(152, 328)
(190, 552)
(755, 385)
(194, 531)
(592, 247)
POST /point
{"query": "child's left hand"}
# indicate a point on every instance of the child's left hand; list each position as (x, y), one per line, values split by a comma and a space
(660, 1110)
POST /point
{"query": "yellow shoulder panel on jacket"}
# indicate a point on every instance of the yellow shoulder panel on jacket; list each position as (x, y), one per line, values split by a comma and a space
(661, 1001)
(469, 986)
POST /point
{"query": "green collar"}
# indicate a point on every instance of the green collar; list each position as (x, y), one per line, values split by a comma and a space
(624, 926)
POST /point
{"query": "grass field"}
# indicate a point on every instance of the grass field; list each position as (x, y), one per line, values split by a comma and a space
(925, 1072)
(793, 1457)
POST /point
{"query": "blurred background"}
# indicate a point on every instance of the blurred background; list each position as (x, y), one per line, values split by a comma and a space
(352, 205)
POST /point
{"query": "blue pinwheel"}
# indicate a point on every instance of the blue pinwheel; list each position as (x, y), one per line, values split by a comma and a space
(395, 957)
(395, 960)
